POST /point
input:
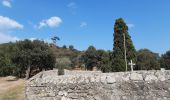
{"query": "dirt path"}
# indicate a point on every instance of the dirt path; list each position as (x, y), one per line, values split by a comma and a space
(11, 89)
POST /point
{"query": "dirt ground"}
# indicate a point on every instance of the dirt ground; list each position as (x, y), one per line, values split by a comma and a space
(11, 88)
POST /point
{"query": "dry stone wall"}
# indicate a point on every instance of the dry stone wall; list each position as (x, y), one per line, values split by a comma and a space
(82, 85)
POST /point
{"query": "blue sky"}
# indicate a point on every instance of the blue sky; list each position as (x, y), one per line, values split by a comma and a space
(87, 22)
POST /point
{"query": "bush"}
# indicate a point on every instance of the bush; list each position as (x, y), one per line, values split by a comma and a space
(60, 70)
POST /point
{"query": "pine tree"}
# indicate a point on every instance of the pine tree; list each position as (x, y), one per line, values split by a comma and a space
(121, 31)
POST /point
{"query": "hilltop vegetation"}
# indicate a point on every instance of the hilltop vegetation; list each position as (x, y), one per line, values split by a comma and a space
(26, 58)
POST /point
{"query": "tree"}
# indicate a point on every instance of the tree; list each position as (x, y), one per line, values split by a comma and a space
(147, 60)
(71, 47)
(64, 47)
(103, 60)
(55, 39)
(32, 57)
(90, 57)
(165, 60)
(123, 47)
(6, 65)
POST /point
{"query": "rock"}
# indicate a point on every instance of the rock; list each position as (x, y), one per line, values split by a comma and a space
(96, 97)
(137, 85)
(92, 79)
(63, 98)
(73, 96)
(110, 80)
(103, 79)
(136, 77)
(126, 77)
(160, 75)
(62, 93)
(151, 78)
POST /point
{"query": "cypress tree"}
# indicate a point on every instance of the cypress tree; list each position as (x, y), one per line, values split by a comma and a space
(121, 30)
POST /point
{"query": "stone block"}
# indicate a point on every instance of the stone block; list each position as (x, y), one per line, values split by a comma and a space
(136, 77)
(110, 80)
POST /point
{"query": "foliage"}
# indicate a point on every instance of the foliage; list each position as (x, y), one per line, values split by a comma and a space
(34, 56)
(72, 55)
(147, 60)
(165, 60)
(64, 47)
(103, 60)
(71, 47)
(60, 70)
(90, 58)
(120, 29)
(97, 58)
(6, 66)
(55, 39)
(63, 62)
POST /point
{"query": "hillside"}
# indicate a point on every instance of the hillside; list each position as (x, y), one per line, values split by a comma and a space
(65, 52)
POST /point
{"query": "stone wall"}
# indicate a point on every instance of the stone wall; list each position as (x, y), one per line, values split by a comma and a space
(79, 85)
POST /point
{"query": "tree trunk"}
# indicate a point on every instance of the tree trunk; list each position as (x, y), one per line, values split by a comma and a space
(28, 72)
(125, 50)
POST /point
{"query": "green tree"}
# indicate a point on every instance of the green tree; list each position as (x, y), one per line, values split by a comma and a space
(103, 60)
(147, 60)
(90, 57)
(165, 60)
(71, 47)
(119, 54)
(32, 57)
(55, 39)
(6, 65)
(64, 47)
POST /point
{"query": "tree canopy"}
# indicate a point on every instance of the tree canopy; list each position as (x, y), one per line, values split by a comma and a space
(147, 60)
(165, 60)
(33, 55)
(25, 58)
(119, 46)
(90, 57)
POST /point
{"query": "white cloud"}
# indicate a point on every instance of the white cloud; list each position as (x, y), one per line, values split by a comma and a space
(51, 22)
(7, 23)
(130, 25)
(83, 24)
(4, 38)
(6, 3)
